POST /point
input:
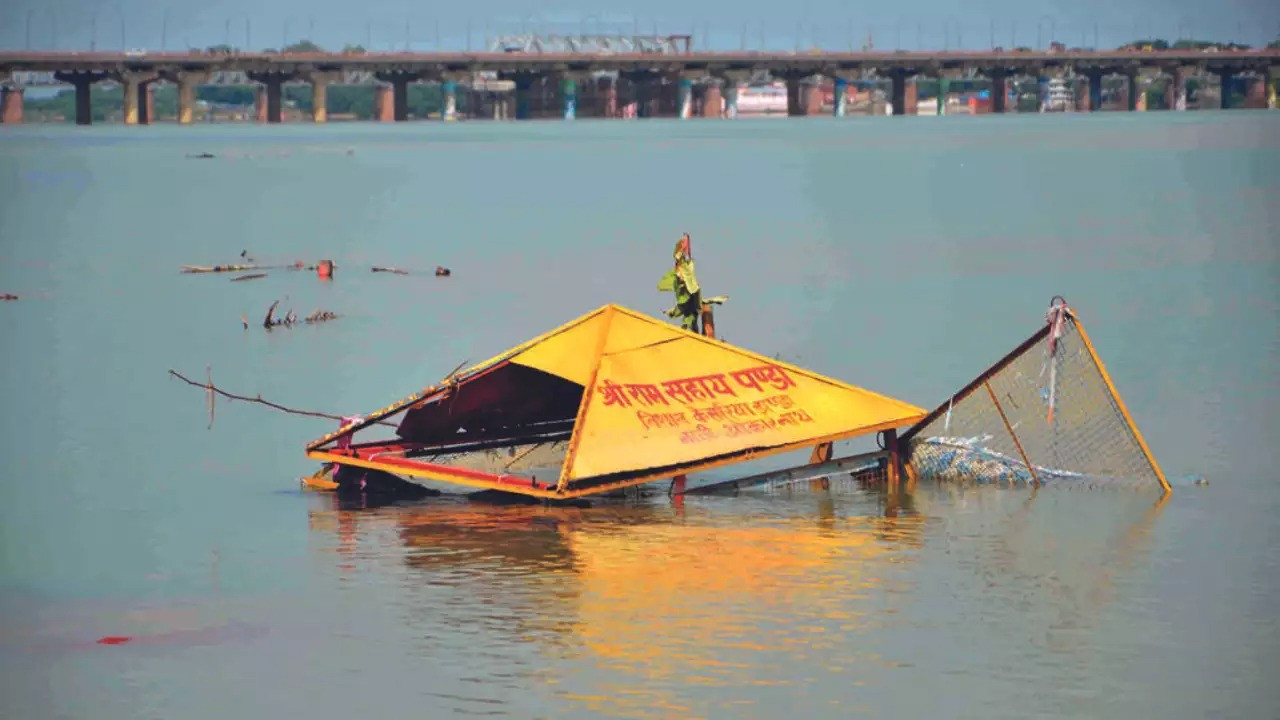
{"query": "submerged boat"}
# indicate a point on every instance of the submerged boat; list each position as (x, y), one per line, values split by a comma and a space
(609, 400)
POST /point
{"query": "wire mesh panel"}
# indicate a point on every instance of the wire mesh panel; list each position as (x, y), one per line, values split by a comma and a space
(1045, 414)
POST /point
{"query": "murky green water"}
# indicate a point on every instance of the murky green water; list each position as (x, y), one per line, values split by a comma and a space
(898, 254)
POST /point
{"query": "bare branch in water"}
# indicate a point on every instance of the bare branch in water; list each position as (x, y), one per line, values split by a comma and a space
(212, 390)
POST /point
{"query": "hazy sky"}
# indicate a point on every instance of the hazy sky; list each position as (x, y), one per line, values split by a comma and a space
(833, 24)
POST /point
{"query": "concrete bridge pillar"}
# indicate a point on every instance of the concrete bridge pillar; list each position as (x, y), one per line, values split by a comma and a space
(147, 108)
(136, 86)
(607, 89)
(569, 96)
(795, 101)
(712, 100)
(260, 103)
(1224, 88)
(646, 100)
(811, 93)
(1176, 93)
(839, 95)
(399, 92)
(1134, 90)
(645, 92)
(384, 103)
(1095, 89)
(270, 91)
(188, 81)
(320, 94)
(275, 88)
(400, 96)
(684, 97)
(999, 90)
(898, 91)
(84, 102)
(449, 95)
(10, 105)
(732, 82)
(524, 92)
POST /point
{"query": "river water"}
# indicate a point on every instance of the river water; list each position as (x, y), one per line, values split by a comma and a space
(899, 254)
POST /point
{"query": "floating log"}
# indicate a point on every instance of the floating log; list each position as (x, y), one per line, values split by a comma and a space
(396, 271)
(254, 276)
(219, 268)
(8, 296)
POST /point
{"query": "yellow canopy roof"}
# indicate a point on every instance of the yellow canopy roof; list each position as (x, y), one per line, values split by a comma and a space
(658, 396)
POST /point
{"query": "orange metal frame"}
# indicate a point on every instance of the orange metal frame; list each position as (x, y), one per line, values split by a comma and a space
(357, 457)
(982, 380)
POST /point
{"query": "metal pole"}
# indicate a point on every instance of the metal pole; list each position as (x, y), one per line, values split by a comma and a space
(29, 29)
(164, 31)
(93, 32)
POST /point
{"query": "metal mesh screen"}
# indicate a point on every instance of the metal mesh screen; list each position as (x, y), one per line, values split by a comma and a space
(1038, 416)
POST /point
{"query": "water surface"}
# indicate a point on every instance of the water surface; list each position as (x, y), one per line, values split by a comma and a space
(900, 254)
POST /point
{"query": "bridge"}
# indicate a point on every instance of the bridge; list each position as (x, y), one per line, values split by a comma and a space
(642, 69)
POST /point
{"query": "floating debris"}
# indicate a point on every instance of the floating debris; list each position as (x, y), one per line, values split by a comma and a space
(219, 268)
(254, 276)
(8, 296)
(321, 316)
(201, 156)
(439, 271)
(290, 319)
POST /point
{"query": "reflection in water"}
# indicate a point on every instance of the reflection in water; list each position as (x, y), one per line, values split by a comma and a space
(656, 608)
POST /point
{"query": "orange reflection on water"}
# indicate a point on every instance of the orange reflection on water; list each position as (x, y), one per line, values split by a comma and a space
(653, 610)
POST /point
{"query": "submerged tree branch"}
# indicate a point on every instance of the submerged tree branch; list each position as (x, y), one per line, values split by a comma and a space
(212, 389)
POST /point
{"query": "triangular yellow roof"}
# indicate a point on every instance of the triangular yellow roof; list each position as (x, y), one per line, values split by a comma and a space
(658, 396)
